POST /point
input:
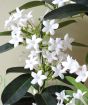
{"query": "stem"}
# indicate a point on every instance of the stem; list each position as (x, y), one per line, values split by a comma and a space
(41, 57)
(80, 15)
(83, 101)
(46, 5)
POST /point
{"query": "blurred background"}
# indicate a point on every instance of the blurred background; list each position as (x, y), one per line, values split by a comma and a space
(17, 56)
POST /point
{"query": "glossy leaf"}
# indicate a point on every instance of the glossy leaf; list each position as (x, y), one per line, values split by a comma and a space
(86, 60)
(30, 5)
(27, 95)
(6, 47)
(84, 2)
(65, 23)
(66, 11)
(79, 44)
(16, 89)
(39, 100)
(80, 86)
(48, 1)
(5, 33)
(70, 92)
(55, 88)
(17, 70)
(45, 99)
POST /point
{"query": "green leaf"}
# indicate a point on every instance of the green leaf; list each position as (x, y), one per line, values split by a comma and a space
(79, 44)
(48, 1)
(27, 95)
(70, 92)
(16, 89)
(65, 23)
(66, 11)
(84, 2)
(30, 5)
(86, 60)
(17, 70)
(26, 100)
(55, 88)
(64, 80)
(45, 99)
(6, 47)
(80, 86)
(5, 33)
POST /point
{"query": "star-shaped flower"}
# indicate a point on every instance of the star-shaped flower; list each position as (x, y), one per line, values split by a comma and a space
(62, 96)
(38, 78)
(70, 64)
(16, 39)
(33, 43)
(79, 95)
(67, 42)
(33, 54)
(32, 63)
(16, 30)
(55, 45)
(29, 15)
(50, 56)
(82, 74)
(9, 22)
(58, 71)
(18, 14)
(50, 26)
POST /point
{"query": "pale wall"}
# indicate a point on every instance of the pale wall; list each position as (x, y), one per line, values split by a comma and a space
(11, 58)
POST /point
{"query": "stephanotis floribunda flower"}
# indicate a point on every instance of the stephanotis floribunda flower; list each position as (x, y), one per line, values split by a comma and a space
(48, 58)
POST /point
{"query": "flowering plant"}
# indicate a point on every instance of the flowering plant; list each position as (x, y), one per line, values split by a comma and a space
(48, 59)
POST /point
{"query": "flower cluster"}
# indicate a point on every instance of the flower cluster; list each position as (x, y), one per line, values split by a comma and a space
(76, 96)
(48, 57)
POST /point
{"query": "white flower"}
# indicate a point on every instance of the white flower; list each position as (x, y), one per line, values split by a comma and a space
(50, 56)
(18, 14)
(9, 22)
(79, 95)
(38, 78)
(71, 65)
(61, 56)
(60, 3)
(16, 30)
(67, 42)
(33, 54)
(58, 71)
(50, 26)
(25, 20)
(29, 15)
(22, 22)
(32, 63)
(16, 39)
(82, 74)
(61, 96)
(33, 43)
(55, 45)
(34, 104)
(72, 102)
(60, 103)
